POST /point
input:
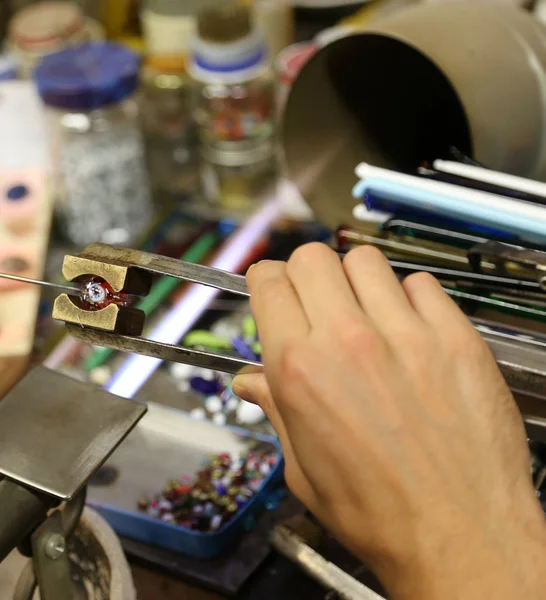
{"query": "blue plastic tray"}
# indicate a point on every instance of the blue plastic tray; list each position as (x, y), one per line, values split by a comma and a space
(167, 444)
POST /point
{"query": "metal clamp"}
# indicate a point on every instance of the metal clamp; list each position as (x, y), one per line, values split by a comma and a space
(118, 327)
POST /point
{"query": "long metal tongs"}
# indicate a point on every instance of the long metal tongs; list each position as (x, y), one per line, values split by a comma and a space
(521, 355)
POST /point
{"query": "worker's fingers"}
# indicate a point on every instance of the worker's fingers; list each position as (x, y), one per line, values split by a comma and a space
(378, 289)
(253, 387)
(321, 284)
(279, 315)
(437, 309)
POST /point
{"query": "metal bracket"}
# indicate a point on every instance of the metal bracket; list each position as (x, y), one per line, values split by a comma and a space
(502, 254)
(50, 559)
(55, 432)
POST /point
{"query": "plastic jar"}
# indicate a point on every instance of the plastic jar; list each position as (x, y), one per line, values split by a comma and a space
(45, 28)
(169, 128)
(235, 100)
(101, 182)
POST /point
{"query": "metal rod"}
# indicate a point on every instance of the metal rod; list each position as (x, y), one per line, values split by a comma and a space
(59, 286)
(439, 232)
(146, 347)
(316, 566)
(480, 278)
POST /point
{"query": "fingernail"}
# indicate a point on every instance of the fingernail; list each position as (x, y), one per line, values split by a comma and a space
(262, 262)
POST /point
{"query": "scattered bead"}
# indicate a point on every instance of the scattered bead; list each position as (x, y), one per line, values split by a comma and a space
(248, 327)
(249, 414)
(225, 329)
(100, 375)
(183, 386)
(214, 387)
(198, 414)
(232, 404)
(216, 522)
(213, 404)
(204, 374)
(243, 349)
(219, 419)
(203, 386)
(181, 371)
(206, 339)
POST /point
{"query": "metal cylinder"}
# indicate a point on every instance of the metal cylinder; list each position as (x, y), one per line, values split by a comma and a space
(408, 88)
(21, 511)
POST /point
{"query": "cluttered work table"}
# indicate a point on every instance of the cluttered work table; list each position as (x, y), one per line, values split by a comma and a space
(150, 152)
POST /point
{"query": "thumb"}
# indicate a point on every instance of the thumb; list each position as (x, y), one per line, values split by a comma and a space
(252, 387)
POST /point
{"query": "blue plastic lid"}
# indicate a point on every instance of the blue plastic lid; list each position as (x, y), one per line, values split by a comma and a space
(88, 77)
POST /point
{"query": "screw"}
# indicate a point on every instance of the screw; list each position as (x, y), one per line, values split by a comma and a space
(55, 545)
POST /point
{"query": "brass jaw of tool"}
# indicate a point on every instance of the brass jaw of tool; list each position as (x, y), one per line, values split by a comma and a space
(122, 278)
(116, 319)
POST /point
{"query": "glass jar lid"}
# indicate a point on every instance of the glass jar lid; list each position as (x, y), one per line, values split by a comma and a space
(46, 25)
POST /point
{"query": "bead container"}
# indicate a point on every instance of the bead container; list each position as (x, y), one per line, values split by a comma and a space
(210, 498)
(168, 444)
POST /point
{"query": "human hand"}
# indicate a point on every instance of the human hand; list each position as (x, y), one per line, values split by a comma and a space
(398, 430)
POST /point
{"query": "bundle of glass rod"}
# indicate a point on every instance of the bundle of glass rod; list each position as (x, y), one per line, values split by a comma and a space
(481, 233)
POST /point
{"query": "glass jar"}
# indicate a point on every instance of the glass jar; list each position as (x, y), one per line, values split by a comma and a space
(169, 25)
(235, 117)
(101, 183)
(276, 21)
(236, 186)
(169, 129)
(45, 28)
(235, 106)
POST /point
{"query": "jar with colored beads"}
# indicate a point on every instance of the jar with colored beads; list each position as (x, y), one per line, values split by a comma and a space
(235, 104)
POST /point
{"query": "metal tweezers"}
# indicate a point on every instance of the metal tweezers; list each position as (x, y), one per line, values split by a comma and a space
(521, 355)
